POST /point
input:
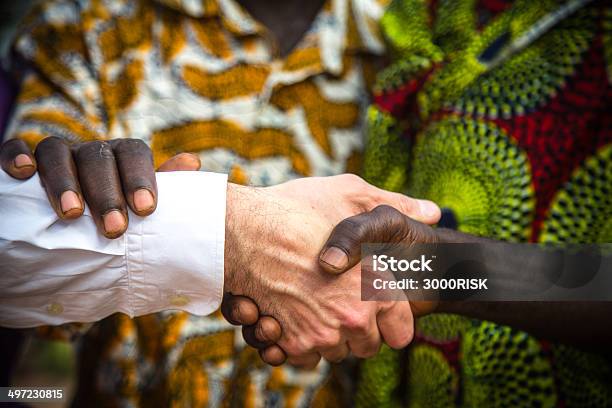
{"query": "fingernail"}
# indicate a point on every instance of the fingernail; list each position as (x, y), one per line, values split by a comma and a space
(429, 209)
(70, 203)
(335, 257)
(143, 200)
(23, 160)
(114, 222)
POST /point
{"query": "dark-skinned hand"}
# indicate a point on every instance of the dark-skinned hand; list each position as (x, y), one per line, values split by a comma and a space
(107, 175)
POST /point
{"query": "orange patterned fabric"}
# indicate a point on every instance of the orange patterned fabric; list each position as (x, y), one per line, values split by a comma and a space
(200, 76)
(149, 69)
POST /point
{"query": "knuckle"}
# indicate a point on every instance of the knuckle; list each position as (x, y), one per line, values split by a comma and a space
(390, 220)
(134, 160)
(351, 228)
(14, 147)
(291, 347)
(386, 211)
(407, 205)
(360, 227)
(353, 181)
(130, 145)
(346, 236)
(328, 339)
(50, 144)
(300, 347)
(293, 351)
(356, 322)
(306, 345)
(98, 150)
(354, 230)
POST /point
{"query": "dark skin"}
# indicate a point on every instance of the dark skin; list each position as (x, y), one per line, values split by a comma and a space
(109, 176)
(287, 21)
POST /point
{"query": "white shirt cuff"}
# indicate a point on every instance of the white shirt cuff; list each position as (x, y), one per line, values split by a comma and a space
(175, 257)
(56, 271)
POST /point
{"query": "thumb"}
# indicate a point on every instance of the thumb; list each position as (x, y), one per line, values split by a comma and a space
(424, 211)
(342, 250)
(181, 162)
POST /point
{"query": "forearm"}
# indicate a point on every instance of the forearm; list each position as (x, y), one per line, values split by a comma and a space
(584, 324)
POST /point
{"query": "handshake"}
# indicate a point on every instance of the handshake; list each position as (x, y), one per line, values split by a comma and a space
(291, 251)
(279, 264)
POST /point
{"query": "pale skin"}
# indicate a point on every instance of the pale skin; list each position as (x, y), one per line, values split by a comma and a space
(321, 314)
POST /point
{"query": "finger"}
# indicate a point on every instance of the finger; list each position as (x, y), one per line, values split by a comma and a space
(101, 185)
(366, 345)
(342, 250)
(17, 159)
(273, 355)
(305, 362)
(336, 354)
(59, 177)
(396, 325)
(239, 310)
(181, 162)
(135, 164)
(262, 334)
(268, 330)
(425, 211)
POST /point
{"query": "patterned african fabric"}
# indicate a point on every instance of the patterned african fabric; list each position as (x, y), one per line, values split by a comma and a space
(501, 113)
(200, 76)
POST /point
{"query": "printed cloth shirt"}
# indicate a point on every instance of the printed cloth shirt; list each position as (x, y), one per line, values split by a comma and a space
(200, 76)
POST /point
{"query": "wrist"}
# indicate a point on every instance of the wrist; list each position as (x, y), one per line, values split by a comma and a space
(244, 232)
(233, 239)
(451, 236)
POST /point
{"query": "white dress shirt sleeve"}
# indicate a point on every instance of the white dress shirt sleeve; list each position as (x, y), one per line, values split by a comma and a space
(54, 271)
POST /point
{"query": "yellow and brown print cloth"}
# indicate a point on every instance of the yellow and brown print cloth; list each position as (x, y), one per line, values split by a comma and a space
(200, 76)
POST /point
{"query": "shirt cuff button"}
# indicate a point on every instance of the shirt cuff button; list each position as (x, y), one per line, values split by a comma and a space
(179, 300)
(55, 309)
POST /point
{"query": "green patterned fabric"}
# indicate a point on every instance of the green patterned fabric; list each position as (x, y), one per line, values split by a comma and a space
(517, 148)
